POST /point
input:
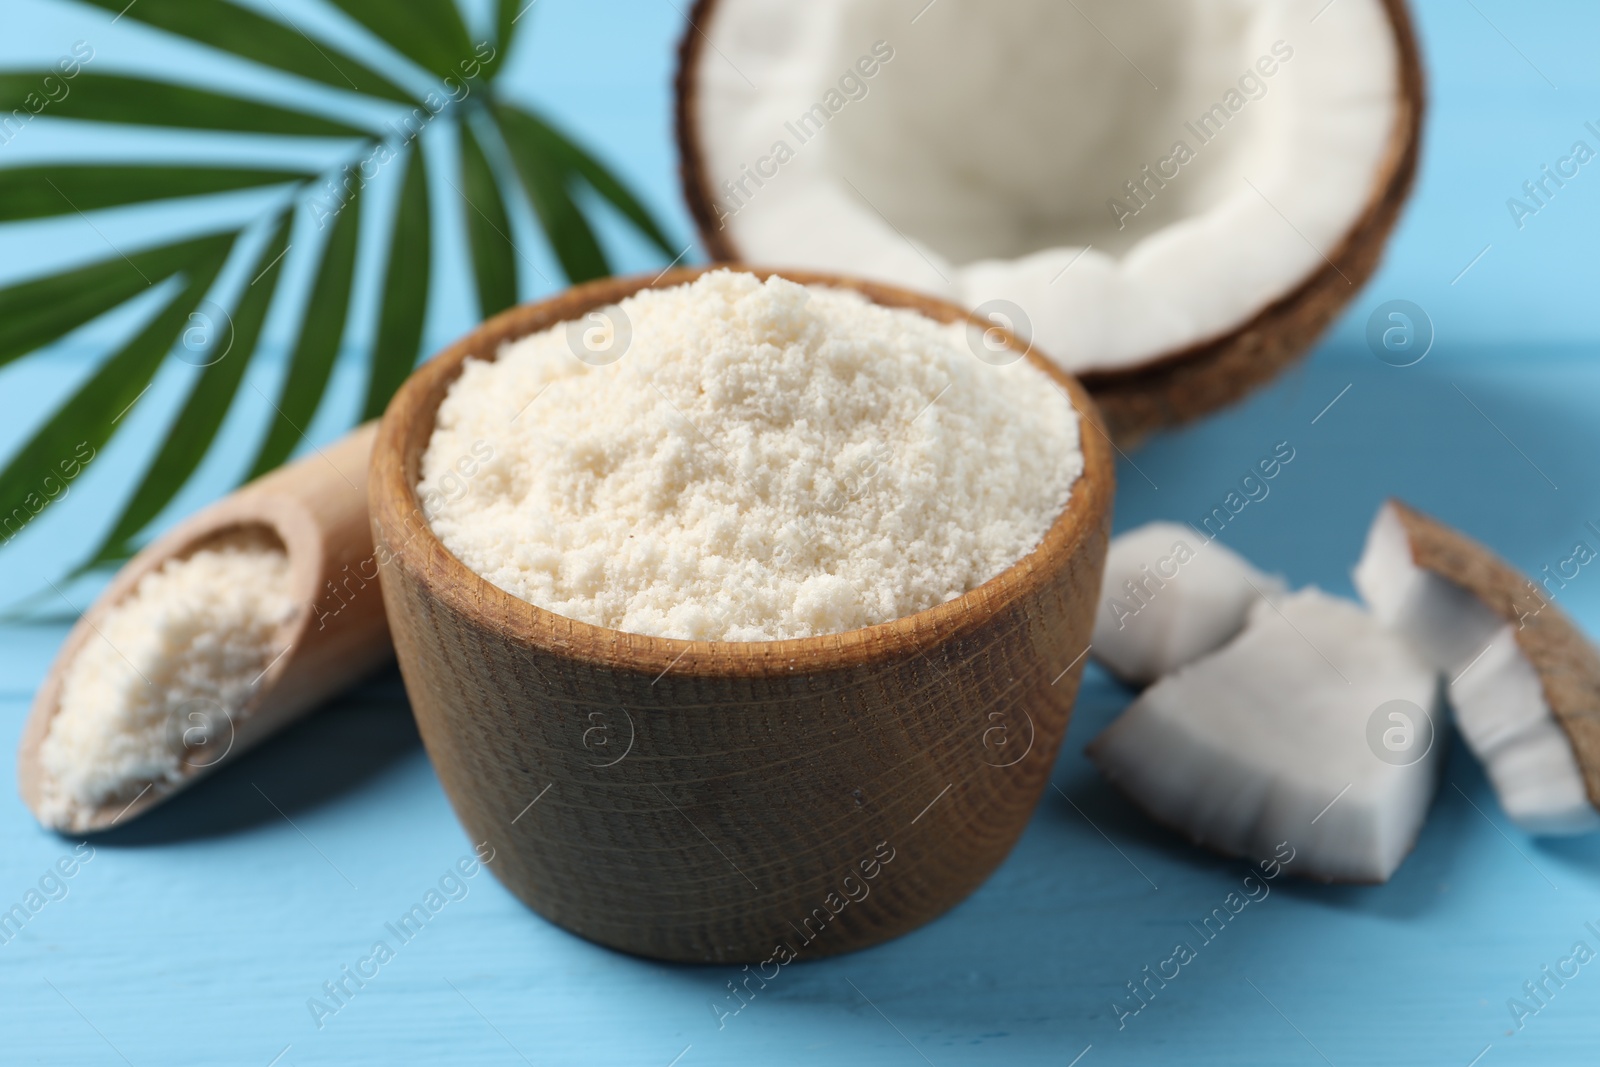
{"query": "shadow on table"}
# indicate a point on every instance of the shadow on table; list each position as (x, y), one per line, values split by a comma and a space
(1412, 889)
(1094, 892)
(332, 751)
(1582, 851)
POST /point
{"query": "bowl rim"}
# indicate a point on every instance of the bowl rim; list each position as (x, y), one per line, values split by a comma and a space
(397, 518)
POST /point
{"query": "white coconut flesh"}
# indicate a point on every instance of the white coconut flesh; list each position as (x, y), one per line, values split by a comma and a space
(1170, 596)
(988, 157)
(1495, 691)
(1267, 741)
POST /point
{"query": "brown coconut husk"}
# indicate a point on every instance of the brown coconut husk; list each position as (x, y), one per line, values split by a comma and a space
(1567, 664)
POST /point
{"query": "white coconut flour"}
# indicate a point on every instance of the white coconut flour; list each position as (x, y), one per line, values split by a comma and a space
(764, 461)
(169, 668)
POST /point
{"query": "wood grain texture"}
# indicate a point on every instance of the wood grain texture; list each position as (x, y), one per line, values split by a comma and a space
(707, 801)
(1175, 387)
(316, 509)
(1567, 664)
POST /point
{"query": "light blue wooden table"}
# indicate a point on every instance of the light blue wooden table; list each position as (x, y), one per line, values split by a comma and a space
(198, 935)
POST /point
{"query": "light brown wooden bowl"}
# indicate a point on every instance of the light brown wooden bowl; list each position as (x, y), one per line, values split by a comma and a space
(714, 801)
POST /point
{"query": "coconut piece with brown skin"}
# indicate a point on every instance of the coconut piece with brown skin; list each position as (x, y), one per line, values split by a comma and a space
(1523, 680)
(1172, 198)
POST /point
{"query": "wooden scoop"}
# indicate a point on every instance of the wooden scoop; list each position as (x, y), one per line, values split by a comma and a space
(317, 510)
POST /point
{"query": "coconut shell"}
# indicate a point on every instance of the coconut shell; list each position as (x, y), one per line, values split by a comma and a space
(1177, 387)
(1567, 664)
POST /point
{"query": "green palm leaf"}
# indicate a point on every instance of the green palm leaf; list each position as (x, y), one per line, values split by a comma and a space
(429, 32)
(226, 354)
(40, 192)
(546, 182)
(91, 415)
(552, 173)
(494, 257)
(243, 33)
(525, 127)
(35, 313)
(117, 98)
(506, 15)
(318, 346)
(405, 292)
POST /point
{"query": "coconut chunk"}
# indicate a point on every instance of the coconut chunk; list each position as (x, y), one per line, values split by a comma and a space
(1443, 621)
(1524, 683)
(1170, 596)
(1501, 710)
(1314, 726)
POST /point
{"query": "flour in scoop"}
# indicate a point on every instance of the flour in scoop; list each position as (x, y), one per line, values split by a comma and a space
(163, 677)
(742, 460)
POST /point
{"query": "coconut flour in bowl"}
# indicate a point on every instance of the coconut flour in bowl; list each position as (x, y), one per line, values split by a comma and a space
(741, 460)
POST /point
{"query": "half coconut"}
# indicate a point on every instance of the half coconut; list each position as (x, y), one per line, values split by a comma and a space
(1172, 198)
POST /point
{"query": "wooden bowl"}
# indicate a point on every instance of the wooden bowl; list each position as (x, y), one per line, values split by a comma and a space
(723, 801)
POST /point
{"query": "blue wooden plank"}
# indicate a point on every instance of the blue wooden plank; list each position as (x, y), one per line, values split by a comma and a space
(199, 935)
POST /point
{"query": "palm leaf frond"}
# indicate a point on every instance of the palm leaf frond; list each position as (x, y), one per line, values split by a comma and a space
(508, 156)
(550, 191)
(223, 349)
(507, 13)
(405, 291)
(494, 256)
(63, 189)
(243, 33)
(428, 32)
(138, 101)
(90, 416)
(538, 136)
(320, 335)
(36, 313)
